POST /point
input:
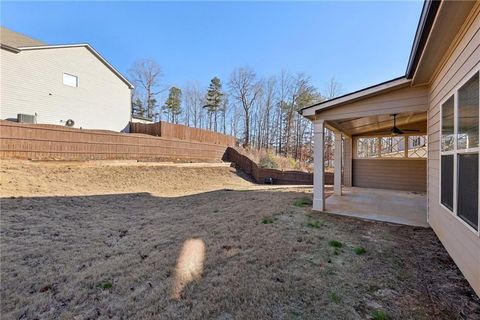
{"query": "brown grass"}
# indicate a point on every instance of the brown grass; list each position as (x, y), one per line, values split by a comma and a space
(207, 255)
(26, 178)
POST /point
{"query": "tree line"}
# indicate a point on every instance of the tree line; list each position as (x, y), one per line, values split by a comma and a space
(262, 113)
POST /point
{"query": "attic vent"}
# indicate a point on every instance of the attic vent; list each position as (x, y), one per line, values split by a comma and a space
(26, 118)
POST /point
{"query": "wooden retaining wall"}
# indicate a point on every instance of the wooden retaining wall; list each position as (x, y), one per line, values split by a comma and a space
(278, 176)
(52, 142)
(181, 132)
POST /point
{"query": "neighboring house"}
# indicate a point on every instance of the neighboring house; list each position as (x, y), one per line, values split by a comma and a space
(61, 84)
(438, 98)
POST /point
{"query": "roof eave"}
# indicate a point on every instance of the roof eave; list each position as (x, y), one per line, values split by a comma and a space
(9, 48)
(357, 95)
(427, 18)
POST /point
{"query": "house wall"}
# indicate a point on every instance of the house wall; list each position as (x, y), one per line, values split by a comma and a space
(32, 83)
(459, 64)
(405, 174)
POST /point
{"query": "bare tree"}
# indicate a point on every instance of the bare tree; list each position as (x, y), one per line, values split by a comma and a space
(285, 83)
(194, 102)
(332, 89)
(264, 112)
(269, 102)
(235, 116)
(146, 75)
(245, 89)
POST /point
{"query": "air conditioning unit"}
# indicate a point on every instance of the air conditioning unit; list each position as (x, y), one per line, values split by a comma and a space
(26, 118)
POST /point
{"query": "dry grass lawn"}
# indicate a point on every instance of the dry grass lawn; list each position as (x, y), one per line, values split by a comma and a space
(122, 241)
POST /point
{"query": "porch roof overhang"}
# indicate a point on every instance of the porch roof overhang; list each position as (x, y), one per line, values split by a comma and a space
(378, 89)
(371, 111)
(441, 23)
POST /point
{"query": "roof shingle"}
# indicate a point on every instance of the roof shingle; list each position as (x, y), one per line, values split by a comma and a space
(17, 40)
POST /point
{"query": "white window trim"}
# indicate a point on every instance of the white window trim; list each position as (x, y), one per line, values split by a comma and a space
(455, 152)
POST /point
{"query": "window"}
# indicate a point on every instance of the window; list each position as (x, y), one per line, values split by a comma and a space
(404, 146)
(367, 147)
(460, 152)
(447, 125)
(70, 80)
(447, 181)
(392, 147)
(468, 188)
(417, 146)
(468, 115)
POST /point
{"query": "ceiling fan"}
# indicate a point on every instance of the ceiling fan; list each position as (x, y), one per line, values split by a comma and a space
(394, 131)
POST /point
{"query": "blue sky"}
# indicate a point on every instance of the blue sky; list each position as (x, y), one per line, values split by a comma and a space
(359, 43)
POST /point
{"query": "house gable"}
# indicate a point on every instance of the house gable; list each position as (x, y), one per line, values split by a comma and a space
(89, 48)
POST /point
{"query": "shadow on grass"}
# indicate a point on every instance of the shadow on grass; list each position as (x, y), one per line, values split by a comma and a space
(130, 254)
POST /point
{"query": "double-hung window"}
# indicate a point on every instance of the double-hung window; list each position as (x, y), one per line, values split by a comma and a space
(459, 152)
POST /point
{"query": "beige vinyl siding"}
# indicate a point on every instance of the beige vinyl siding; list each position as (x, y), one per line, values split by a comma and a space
(398, 101)
(32, 82)
(461, 242)
(409, 175)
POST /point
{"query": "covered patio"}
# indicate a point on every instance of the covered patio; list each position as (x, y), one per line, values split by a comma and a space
(380, 157)
(402, 207)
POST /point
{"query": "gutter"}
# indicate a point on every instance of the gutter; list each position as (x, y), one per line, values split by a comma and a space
(9, 48)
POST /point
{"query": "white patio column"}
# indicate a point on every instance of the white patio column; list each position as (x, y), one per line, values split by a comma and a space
(347, 161)
(319, 167)
(337, 181)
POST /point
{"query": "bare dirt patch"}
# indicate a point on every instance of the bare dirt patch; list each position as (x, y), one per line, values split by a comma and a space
(241, 253)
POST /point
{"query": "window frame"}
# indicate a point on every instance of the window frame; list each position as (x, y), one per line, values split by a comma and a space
(455, 152)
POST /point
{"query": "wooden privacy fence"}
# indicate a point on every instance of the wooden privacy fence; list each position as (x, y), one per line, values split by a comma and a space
(278, 176)
(51, 142)
(178, 131)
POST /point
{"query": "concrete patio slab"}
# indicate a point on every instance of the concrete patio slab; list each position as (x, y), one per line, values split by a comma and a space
(403, 207)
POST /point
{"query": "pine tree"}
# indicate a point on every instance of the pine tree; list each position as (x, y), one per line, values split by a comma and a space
(173, 104)
(214, 100)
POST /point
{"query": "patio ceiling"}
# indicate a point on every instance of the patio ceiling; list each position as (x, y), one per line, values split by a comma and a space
(371, 124)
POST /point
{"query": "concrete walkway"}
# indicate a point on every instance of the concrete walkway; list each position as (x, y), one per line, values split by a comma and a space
(403, 207)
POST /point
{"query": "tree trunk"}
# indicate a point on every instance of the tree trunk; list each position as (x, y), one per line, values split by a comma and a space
(246, 139)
